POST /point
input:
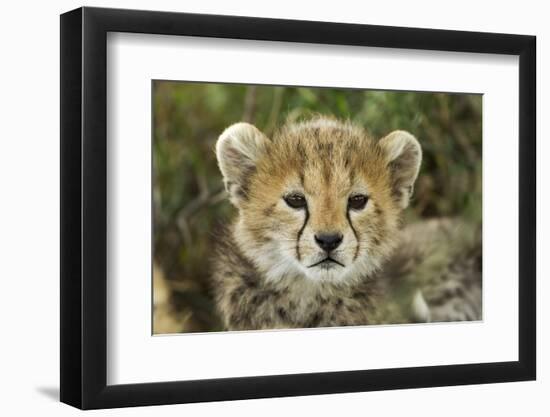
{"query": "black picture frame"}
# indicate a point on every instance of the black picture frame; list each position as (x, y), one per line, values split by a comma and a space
(84, 207)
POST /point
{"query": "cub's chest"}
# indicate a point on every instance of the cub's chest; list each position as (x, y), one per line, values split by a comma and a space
(295, 306)
(336, 307)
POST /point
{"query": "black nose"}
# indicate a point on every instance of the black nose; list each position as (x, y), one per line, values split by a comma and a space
(328, 241)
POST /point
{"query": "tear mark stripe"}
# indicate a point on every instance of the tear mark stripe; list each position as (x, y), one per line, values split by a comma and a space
(298, 255)
(354, 234)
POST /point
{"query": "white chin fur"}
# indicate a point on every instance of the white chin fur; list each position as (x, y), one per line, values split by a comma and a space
(336, 274)
(278, 267)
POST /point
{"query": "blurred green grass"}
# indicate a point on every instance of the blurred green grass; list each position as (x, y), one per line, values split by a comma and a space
(189, 201)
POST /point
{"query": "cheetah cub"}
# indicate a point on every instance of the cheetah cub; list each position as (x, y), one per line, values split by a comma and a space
(319, 214)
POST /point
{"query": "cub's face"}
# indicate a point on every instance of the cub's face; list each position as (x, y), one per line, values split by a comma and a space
(320, 199)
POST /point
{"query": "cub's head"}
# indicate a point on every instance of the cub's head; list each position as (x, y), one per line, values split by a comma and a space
(319, 199)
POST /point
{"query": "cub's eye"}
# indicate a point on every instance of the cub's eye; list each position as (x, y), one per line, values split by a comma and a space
(295, 200)
(357, 202)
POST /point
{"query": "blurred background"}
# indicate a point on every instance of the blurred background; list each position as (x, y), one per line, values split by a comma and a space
(189, 200)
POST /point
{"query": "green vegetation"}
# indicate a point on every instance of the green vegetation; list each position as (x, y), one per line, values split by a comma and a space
(189, 201)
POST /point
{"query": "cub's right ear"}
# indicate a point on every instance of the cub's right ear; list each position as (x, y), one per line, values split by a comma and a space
(404, 155)
(238, 149)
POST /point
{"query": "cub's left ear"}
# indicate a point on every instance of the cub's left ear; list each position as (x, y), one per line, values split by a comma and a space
(238, 149)
(403, 155)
